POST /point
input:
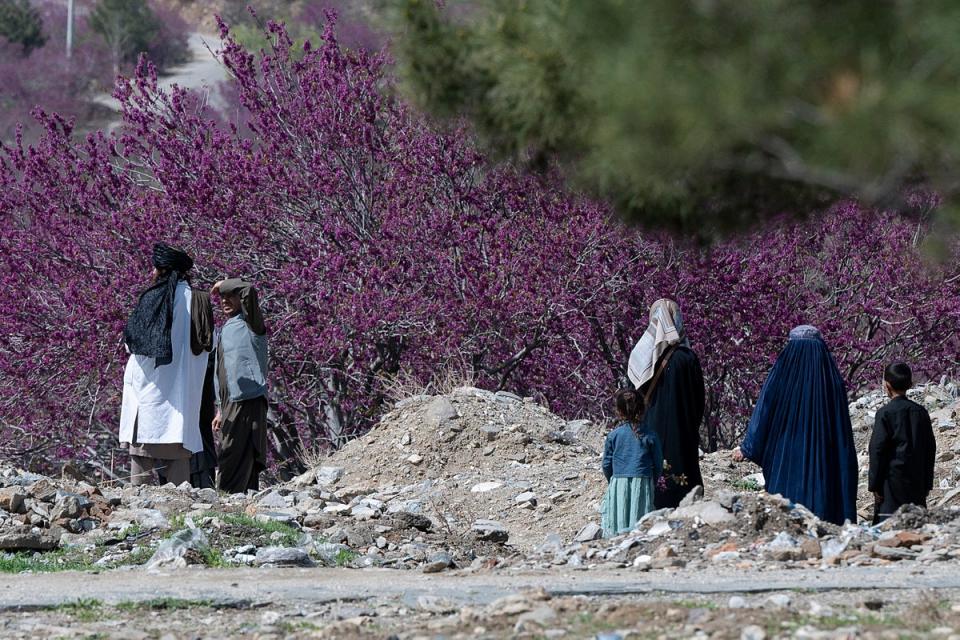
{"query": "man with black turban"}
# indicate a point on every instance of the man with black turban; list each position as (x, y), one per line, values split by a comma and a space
(169, 336)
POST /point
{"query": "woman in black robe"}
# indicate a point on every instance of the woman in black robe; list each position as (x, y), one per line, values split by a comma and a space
(667, 371)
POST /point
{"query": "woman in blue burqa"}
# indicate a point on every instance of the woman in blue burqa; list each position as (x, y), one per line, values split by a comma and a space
(800, 431)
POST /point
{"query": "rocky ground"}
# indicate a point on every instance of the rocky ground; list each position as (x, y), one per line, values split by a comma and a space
(473, 484)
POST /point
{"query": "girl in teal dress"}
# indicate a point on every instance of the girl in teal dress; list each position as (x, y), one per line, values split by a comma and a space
(632, 463)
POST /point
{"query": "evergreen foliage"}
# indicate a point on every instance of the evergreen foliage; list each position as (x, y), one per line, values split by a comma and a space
(701, 115)
(21, 24)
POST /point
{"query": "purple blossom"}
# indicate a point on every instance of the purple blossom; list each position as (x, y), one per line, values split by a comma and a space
(385, 248)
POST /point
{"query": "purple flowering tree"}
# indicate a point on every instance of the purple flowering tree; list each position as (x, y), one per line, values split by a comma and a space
(387, 248)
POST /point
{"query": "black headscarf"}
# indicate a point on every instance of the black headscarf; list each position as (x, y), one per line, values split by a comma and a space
(148, 329)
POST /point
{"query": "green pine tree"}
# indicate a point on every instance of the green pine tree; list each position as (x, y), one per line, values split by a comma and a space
(21, 24)
(127, 27)
(701, 115)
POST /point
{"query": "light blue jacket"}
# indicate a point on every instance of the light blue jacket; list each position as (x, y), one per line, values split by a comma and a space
(627, 456)
(244, 356)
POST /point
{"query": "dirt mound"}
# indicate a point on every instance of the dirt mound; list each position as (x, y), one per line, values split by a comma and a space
(474, 455)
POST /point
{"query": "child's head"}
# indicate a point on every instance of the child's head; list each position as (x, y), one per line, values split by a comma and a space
(897, 378)
(630, 405)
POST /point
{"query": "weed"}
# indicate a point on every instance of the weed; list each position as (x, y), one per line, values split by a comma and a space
(747, 484)
(214, 558)
(57, 560)
(345, 557)
(162, 604)
(83, 609)
(290, 535)
(178, 522)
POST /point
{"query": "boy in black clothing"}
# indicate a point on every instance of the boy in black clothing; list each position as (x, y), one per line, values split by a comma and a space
(902, 448)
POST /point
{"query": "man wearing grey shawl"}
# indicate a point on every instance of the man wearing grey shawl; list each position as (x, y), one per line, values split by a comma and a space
(240, 383)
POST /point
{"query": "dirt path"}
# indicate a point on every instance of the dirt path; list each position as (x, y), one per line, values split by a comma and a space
(203, 72)
(317, 586)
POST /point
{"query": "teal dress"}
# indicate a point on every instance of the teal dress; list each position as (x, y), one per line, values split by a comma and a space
(632, 464)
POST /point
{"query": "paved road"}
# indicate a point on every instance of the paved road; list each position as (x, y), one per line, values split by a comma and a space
(203, 72)
(317, 586)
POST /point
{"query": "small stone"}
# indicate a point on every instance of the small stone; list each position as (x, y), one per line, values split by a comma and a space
(437, 563)
(439, 411)
(693, 496)
(753, 632)
(810, 547)
(527, 497)
(779, 600)
(273, 500)
(708, 511)
(408, 520)
(415, 459)
(490, 531)
(208, 495)
(270, 618)
(363, 512)
(337, 508)
(12, 499)
(483, 487)
(591, 531)
(284, 557)
(737, 602)
(328, 476)
(436, 604)
(540, 617)
(490, 431)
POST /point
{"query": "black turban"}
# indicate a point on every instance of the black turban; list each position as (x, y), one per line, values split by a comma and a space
(167, 257)
(148, 329)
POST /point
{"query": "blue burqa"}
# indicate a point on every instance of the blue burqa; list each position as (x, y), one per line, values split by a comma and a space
(800, 431)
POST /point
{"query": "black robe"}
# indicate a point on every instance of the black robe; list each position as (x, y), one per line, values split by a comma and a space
(902, 453)
(675, 414)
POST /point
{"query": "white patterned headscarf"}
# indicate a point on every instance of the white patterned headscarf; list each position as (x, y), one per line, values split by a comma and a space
(664, 331)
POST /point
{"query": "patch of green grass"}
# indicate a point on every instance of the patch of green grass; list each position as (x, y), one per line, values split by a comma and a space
(138, 557)
(290, 535)
(287, 627)
(214, 558)
(162, 604)
(44, 562)
(132, 531)
(587, 624)
(83, 609)
(345, 557)
(747, 484)
(178, 522)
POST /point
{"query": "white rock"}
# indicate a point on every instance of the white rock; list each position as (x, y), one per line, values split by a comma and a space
(753, 632)
(708, 511)
(336, 508)
(483, 487)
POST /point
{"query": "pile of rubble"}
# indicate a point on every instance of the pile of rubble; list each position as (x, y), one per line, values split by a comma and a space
(492, 465)
(753, 529)
(476, 480)
(35, 512)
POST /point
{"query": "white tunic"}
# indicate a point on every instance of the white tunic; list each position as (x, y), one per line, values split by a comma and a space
(166, 398)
